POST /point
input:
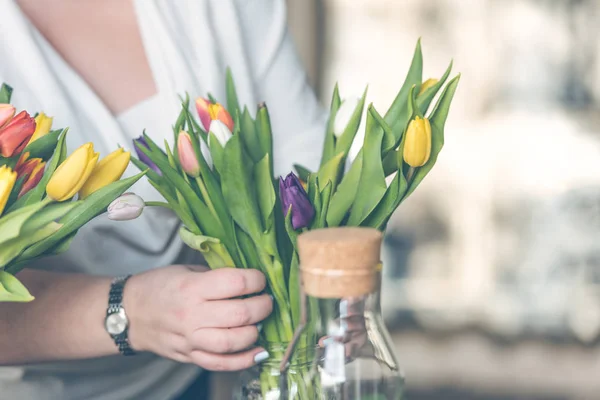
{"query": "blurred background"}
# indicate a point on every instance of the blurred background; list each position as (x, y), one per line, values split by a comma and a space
(492, 267)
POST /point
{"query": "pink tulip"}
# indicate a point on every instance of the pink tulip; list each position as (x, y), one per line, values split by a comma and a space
(6, 113)
(187, 155)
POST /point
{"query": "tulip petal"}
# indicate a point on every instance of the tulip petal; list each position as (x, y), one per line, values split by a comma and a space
(107, 171)
(6, 113)
(187, 156)
(15, 135)
(70, 176)
(202, 107)
(7, 182)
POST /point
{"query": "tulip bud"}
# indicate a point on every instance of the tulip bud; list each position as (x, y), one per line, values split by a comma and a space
(33, 179)
(7, 181)
(293, 194)
(187, 155)
(6, 113)
(141, 141)
(417, 145)
(43, 124)
(108, 170)
(126, 207)
(221, 132)
(25, 165)
(218, 113)
(202, 106)
(427, 84)
(15, 134)
(343, 115)
(71, 175)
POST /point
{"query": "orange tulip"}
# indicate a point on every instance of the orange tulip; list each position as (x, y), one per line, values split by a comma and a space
(209, 112)
(15, 135)
(35, 176)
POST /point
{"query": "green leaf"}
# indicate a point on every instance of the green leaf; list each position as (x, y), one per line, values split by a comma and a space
(238, 189)
(63, 245)
(12, 223)
(437, 120)
(208, 224)
(424, 99)
(314, 195)
(247, 248)
(264, 190)
(214, 252)
(331, 171)
(302, 172)
(386, 207)
(11, 290)
(5, 93)
(371, 187)
(45, 146)
(344, 196)
(294, 290)
(329, 146)
(292, 234)
(344, 142)
(36, 194)
(14, 247)
(389, 141)
(233, 105)
(397, 111)
(249, 136)
(88, 209)
(216, 151)
(325, 197)
(47, 215)
(264, 133)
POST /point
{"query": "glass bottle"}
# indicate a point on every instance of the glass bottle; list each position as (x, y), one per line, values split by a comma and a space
(356, 359)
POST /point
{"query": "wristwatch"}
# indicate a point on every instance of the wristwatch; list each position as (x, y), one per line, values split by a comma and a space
(116, 322)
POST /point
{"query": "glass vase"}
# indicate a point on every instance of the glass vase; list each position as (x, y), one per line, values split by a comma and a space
(353, 357)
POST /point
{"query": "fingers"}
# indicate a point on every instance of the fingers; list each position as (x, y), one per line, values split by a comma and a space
(228, 362)
(232, 340)
(235, 313)
(227, 283)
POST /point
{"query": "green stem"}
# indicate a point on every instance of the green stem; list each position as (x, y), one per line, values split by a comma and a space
(158, 204)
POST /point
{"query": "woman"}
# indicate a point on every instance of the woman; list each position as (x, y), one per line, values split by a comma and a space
(109, 69)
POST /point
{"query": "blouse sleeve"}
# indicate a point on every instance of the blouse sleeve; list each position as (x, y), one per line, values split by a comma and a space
(297, 119)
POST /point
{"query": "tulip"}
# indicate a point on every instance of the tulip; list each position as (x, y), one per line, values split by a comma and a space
(108, 170)
(33, 179)
(427, 84)
(126, 207)
(6, 113)
(417, 145)
(187, 155)
(221, 131)
(43, 124)
(202, 107)
(141, 141)
(293, 194)
(71, 175)
(343, 115)
(25, 165)
(15, 135)
(7, 181)
(210, 112)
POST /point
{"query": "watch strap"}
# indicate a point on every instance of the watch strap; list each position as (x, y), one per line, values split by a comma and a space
(115, 303)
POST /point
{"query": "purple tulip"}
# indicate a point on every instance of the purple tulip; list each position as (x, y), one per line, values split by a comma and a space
(292, 193)
(141, 141)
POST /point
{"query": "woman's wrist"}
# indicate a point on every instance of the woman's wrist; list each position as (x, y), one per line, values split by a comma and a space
(134, 308)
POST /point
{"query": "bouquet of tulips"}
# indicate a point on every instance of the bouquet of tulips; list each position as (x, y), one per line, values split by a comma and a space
(218, 178)
(37, 185)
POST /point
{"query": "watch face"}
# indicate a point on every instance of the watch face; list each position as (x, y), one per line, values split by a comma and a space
(116, 323)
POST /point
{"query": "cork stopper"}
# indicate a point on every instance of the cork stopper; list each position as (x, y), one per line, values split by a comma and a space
(339, 262)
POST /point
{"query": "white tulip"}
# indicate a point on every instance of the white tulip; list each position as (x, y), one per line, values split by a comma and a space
(343, 115)
(206, 153)
(125, 207)
(221, 131)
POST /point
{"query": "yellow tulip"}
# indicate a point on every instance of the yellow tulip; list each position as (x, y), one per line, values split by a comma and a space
(417, 145)
(72, 174)
(108, 170)
(7, 181)
(43, 124)
(427, 84)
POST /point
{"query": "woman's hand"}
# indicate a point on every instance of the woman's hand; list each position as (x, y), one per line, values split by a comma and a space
(195, 315)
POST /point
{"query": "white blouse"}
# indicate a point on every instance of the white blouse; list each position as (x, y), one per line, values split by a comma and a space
(189, 43)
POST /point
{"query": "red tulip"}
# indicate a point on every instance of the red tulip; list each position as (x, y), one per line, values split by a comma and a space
(33, 179)
(15, 135)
